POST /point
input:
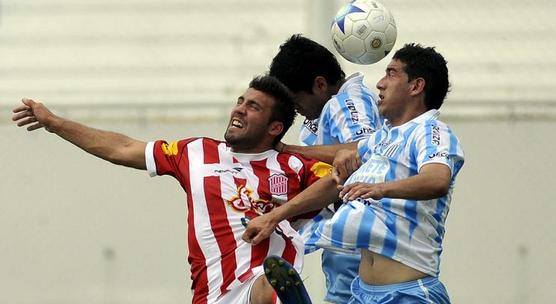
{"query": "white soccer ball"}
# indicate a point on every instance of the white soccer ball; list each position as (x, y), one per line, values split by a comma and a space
(363, 31)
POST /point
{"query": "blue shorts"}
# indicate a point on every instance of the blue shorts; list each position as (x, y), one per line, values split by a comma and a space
(426, 291)
(339, 270)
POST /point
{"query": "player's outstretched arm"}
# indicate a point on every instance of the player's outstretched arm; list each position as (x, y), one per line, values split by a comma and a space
(113, 147)
(317, 196)
(324, 153)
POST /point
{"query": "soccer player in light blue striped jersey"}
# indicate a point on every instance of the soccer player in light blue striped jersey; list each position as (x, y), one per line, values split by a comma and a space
(337, 110)
(396, 202)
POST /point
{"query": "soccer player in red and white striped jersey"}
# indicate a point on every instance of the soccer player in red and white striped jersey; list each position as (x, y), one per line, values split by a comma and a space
(223, 187)
(226, 184)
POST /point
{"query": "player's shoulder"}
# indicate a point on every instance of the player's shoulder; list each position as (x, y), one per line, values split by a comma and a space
(294, 157)
(289, 154)
(207, 141)
(210, 140)
(434, 129)
(353, 97)
(434, 123)
(297, 161)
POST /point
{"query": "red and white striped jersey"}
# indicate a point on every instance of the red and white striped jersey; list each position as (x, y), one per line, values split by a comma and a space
(222, 187)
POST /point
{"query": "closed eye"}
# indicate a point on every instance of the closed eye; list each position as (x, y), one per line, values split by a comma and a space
(254, 105)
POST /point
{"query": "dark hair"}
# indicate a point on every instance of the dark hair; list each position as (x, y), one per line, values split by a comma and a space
(426, 63)
(283, 109)
(300, 60)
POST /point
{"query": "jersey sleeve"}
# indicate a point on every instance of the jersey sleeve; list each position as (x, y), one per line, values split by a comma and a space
(352, 118)
(311, 172)
(164, 158)
(436, 143)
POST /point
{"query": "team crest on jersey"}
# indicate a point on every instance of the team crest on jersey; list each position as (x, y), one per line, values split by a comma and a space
(391, 150)
(278, 184)
(244, 201)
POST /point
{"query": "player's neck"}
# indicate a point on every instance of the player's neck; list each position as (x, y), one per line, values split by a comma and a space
(335, 88)
(340, 84)
(411, 110)
(405, 117)
(250, 150)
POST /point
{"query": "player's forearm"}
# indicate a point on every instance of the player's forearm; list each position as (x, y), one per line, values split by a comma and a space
(428, 184)
(113, 147)
(324, 153)
(319, 195)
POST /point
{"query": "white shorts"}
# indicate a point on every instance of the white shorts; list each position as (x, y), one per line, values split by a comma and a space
(241, 294)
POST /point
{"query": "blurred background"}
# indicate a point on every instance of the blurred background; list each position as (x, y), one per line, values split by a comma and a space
(74, 229)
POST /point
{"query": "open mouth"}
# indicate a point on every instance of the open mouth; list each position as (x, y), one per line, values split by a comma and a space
(236, 123)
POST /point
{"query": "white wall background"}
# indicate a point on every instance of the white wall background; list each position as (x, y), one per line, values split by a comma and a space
(74, 229)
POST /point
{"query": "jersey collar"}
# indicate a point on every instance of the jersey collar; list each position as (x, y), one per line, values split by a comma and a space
(353, 78)
(429, 115)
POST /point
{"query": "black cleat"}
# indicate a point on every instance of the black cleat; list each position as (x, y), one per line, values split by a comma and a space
(286, 281)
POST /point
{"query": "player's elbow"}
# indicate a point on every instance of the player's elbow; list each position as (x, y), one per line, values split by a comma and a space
(130, 154)
(441, 190)
(439, 187)
(116, 156)
(438, 179)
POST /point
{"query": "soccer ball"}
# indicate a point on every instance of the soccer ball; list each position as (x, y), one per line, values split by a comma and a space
(363, 31)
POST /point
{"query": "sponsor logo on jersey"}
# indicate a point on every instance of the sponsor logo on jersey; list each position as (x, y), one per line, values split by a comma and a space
(353, 113)
(311, 125)
(435, 135)
(321, 169)
(443, 154)
(170, 149)
(384, 143)
(368, 202)
(234, 171)
(243, 201)
(365, 131)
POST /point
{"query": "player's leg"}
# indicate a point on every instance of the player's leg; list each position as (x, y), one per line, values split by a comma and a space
(255, 290)
(262, 292)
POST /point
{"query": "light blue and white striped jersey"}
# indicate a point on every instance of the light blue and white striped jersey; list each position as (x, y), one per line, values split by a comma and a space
(409, 231)
(348, 116)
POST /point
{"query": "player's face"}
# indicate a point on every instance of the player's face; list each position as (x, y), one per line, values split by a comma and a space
(394, 90)
(249, 122)
(309, 105)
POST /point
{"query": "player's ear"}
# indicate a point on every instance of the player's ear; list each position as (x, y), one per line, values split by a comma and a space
(320, 85)
(417, 86)
(275, 128)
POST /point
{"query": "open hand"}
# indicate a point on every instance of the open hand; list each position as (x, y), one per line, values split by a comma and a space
(362, 190)
(34, 115)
